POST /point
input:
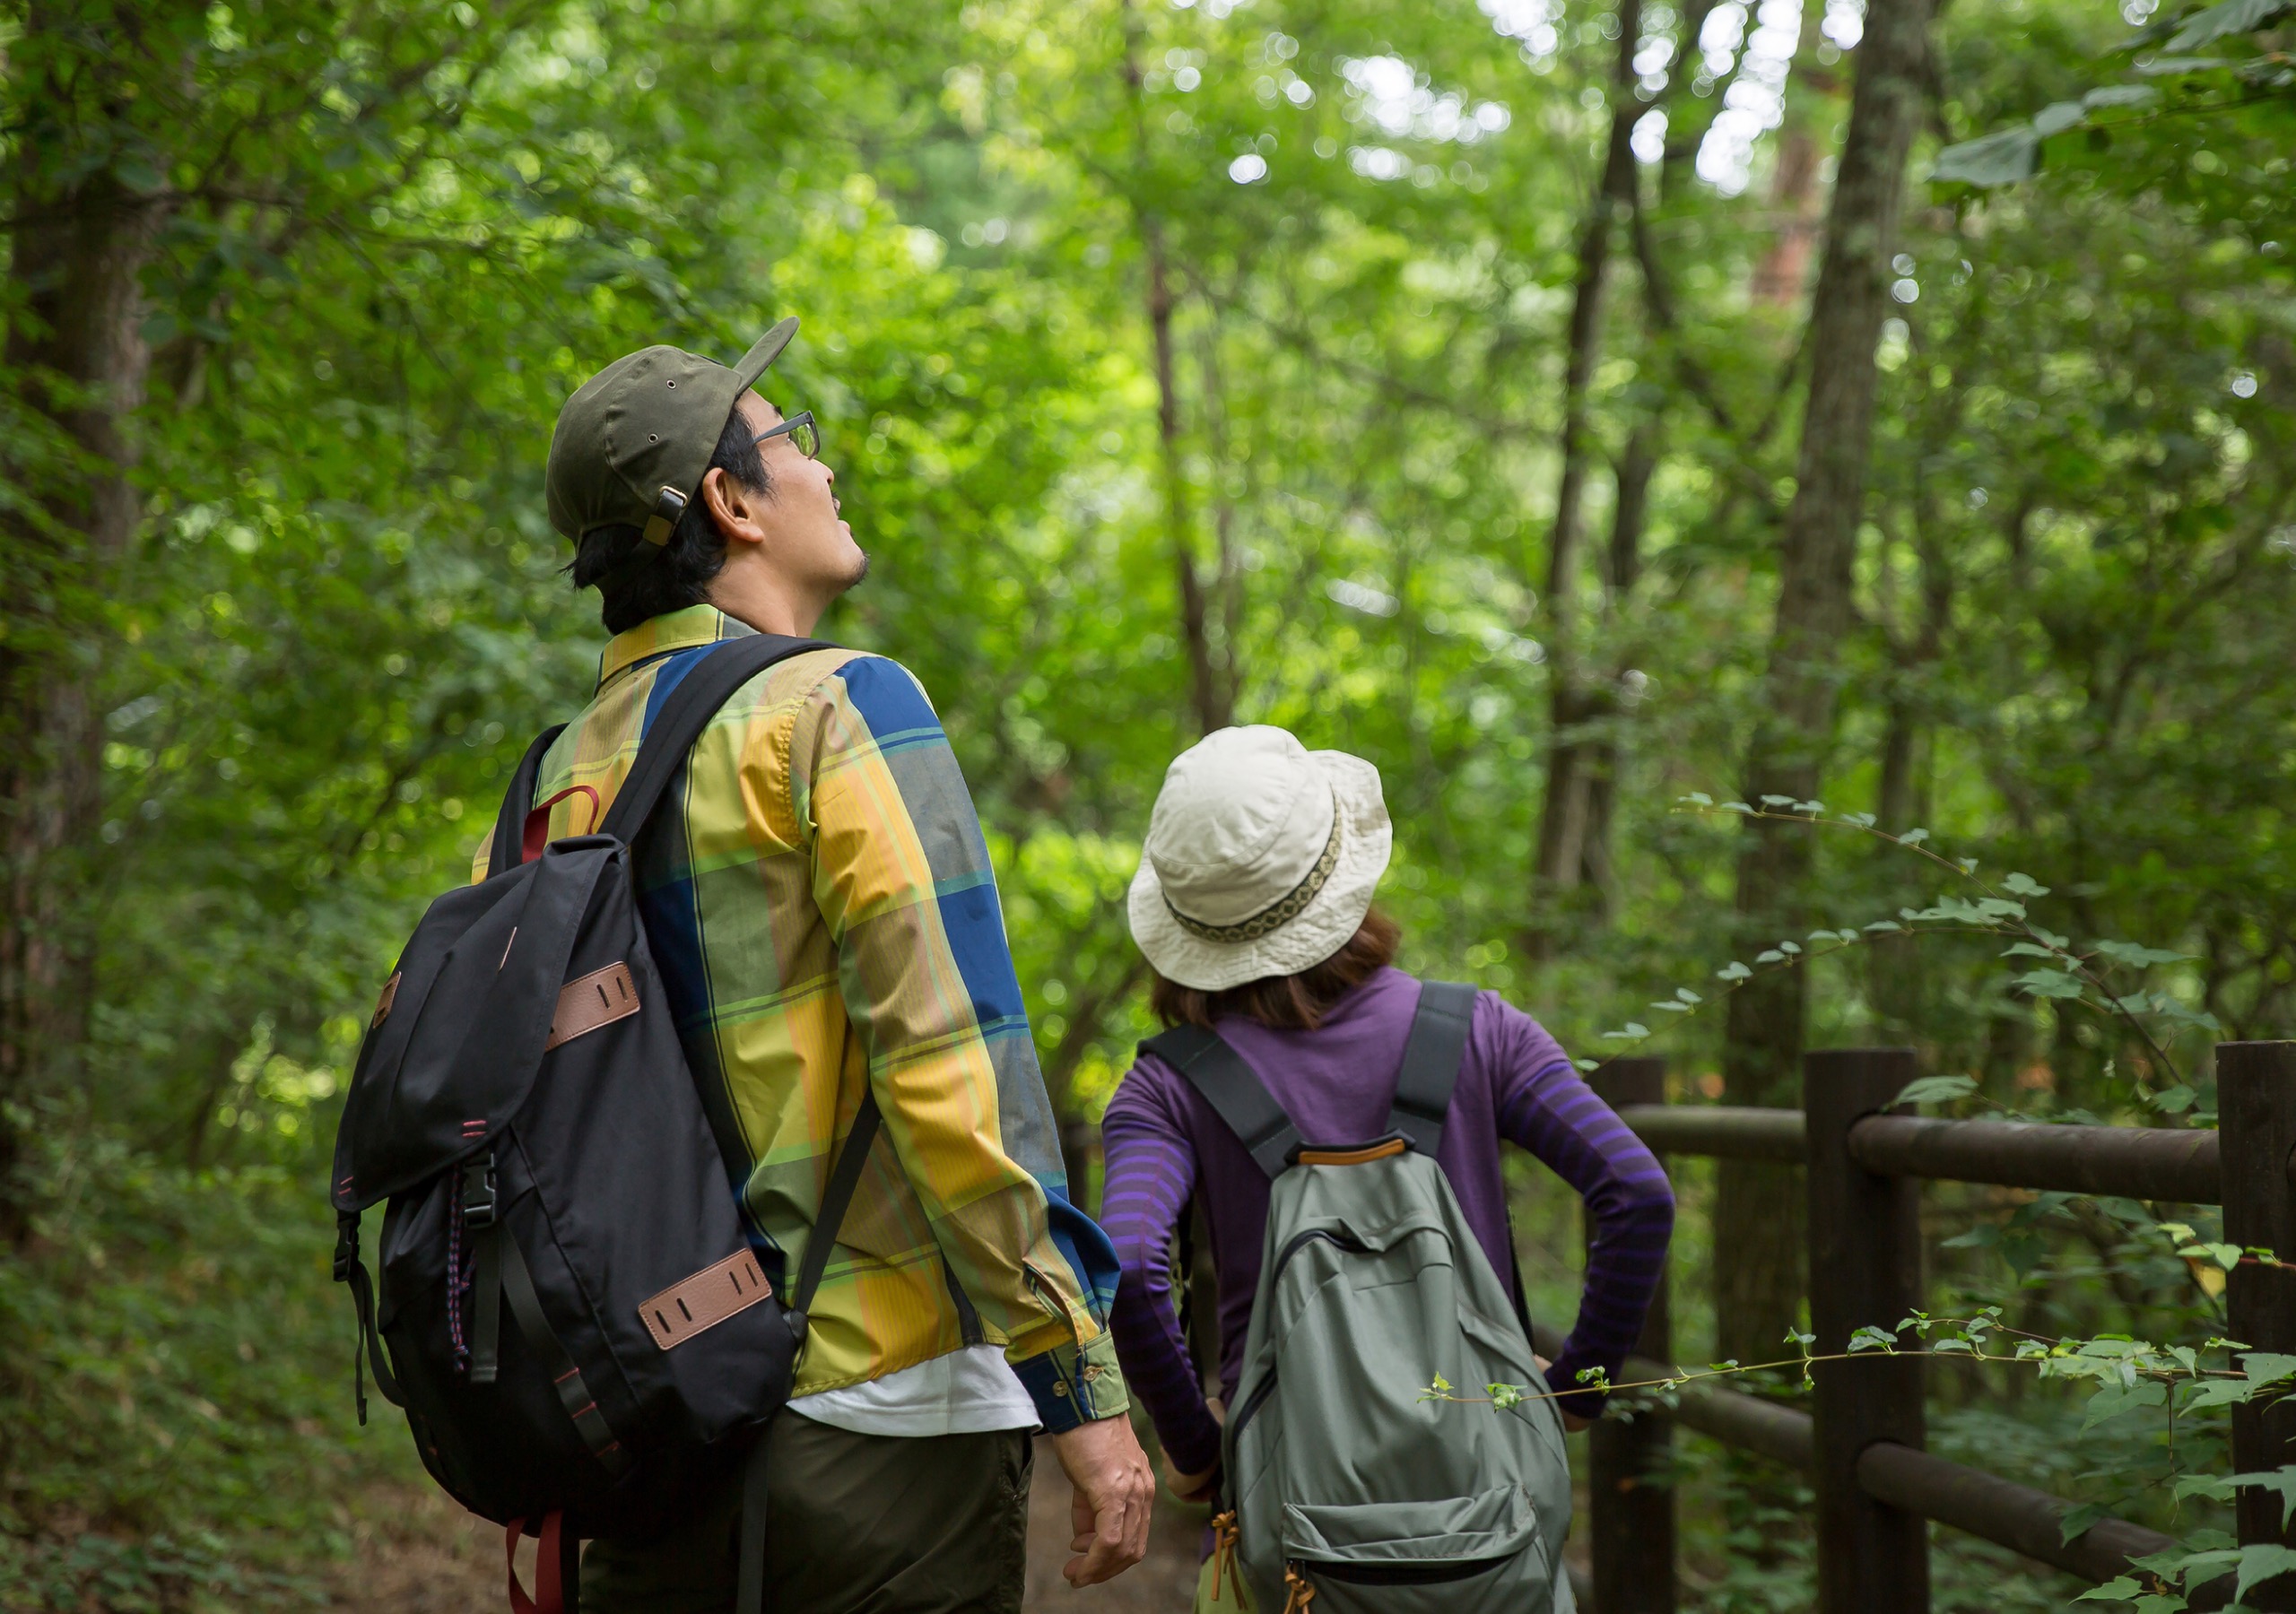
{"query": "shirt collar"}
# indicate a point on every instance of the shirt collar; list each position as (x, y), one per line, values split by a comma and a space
(660, 635)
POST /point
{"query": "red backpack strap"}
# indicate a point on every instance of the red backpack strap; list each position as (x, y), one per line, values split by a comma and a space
(558, 1567)
(537, 826)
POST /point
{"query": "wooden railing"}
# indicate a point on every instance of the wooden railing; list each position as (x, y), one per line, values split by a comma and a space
(1862, 1442)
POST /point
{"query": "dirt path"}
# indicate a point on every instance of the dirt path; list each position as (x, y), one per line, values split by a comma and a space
(417, 1553)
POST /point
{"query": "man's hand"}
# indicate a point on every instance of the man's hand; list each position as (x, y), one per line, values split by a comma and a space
(1115, 1488)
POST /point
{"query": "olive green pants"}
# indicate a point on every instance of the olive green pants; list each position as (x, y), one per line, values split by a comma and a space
(856, 1524)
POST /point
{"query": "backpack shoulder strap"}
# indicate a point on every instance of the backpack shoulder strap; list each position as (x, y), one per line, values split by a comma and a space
(1430, 1064)
(706, 686)
(1234, 1088)
(511, 823)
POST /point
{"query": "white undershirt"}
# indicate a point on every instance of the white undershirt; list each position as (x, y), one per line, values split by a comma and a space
(971, 1391)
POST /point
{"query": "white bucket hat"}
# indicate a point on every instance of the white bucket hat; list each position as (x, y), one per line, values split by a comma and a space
(1261, 858)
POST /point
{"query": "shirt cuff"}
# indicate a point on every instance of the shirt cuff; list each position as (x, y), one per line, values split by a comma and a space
(1074, 1383)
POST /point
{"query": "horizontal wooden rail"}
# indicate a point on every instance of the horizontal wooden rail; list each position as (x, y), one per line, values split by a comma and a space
(1724, 1130)
(2026, 1520)
(2017, 1516)
(2135, 1162)
(2178, 1165)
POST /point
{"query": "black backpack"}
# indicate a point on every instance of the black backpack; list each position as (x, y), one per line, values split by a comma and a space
(580, 1331)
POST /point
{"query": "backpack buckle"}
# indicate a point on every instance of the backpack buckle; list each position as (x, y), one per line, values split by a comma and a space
(346, 1246)
(478, 1193)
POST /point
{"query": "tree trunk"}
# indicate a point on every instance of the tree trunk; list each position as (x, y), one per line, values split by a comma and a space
(1564, 815)
(76, 351)
(1784, 267)
(1623, 565)
(1214, 709)
(1758, 1292)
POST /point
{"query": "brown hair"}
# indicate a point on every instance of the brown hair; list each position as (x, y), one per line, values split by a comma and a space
(1284, 1003)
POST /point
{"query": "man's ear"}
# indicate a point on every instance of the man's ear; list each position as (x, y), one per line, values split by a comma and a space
(733, 506)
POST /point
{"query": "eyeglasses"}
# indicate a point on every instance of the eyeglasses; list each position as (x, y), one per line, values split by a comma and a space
(800, 430)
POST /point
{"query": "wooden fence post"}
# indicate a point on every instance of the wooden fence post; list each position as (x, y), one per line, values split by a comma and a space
(2256, 1100)
(1865, 1272)
(1630, 1480)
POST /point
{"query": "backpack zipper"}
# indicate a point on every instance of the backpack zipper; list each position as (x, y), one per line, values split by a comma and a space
(1409, 1575)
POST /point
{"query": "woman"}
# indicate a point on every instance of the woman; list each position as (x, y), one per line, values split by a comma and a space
(1253, 907)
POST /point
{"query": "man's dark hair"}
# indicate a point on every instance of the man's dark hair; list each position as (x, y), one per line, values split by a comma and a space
(633, 585)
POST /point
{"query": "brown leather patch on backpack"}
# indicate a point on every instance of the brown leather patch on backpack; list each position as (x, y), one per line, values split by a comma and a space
(707, 1299)
(383, 1003)
(597, 999)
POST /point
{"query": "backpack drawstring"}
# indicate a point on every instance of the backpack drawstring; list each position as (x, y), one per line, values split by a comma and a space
(457, 1274)
(1298, 1591)
(1226, 1536)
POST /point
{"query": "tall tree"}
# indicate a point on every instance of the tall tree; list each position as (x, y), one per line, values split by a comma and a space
(1572, 752)
(86, 204)
(1758, 1210)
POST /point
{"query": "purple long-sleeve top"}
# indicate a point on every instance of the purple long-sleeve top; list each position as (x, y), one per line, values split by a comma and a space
(1163, 1142)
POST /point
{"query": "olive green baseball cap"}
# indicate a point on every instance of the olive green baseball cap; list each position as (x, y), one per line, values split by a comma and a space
(632, 443)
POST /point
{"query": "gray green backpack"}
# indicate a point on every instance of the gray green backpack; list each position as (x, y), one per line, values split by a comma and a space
(1346, 1488)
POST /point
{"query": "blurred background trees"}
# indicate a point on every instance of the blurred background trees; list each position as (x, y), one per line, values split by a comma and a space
(1434, 380)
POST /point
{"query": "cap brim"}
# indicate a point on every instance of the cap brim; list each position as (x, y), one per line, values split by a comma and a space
(760, 357)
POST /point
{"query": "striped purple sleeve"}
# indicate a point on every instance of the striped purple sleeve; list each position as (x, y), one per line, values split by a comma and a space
(1543, 1105)
(1151, 1172)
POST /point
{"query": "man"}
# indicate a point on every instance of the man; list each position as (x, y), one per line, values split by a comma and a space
(818, 894)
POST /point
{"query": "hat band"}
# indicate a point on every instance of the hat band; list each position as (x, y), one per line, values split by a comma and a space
(1281, 912)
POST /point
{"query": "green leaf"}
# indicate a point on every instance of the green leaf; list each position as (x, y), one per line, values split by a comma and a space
(2218, 1392)
(2023, 885)
(1687, 995)
(1873, 1338)
(1699, 798)
(1769, 955)
(2230, 17)
(2280, 1481)
(2260, 1563)
(2027, 950)
(1733, 971)
(1735, 807)
(1777, 800)
(1809, 806)
(2136, 957)
(2268, 1368)
(2120, 1589)
(2168, 66)
(2006, 158)
(1628, 1032)
(1670, 1006)
(2049, 983)
(2115, 1400)
(2057, 118)
(1790, 947)
(2076, 1520)
(1913, 838)
(1885, 924)
(1935, 1089)
(1863, 820)
(2120, 95)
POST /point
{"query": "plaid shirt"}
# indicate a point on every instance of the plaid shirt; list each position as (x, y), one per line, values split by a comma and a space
(827, 918)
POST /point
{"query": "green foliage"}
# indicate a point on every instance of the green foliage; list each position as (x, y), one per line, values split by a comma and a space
(174, 1407)
(390, 240)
